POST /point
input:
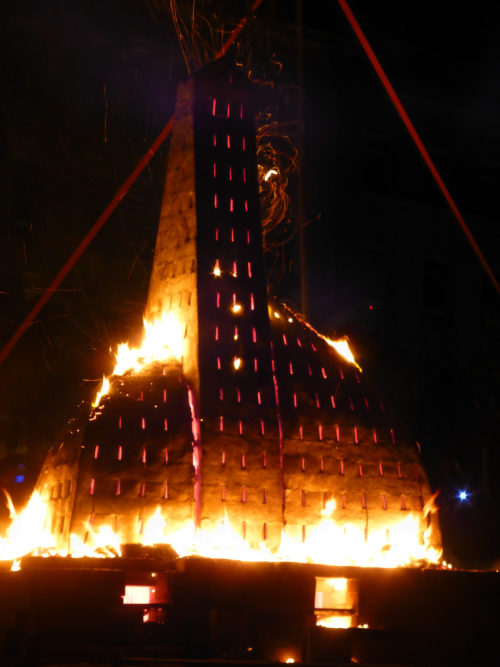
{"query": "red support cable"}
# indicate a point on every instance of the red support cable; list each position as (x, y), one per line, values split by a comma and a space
(414, 135)
(99, 223)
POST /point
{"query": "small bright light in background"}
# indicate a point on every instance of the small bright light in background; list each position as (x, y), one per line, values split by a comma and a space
(290, 319)
(277, 315)
(463, 495)
(289, 660)
(236, 363)
(237, 308)
(216, 270)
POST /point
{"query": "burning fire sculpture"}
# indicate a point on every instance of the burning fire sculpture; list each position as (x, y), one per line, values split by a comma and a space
(235, 431)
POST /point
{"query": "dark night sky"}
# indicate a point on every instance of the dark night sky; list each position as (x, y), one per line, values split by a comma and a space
(87, 87)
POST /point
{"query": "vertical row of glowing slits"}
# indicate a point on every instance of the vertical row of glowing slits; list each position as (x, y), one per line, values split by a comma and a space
(228, 232)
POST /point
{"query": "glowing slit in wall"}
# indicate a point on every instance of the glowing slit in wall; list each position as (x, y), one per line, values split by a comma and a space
(295, 400)
(240, 427)
(316, 397)
(214, 106)
(243, 461)
(320, 431)
(166, 456)
(214, 139)
(259, 398)
(235, 270)
(249, 267)
(367, 405)
(143, 489)
(301, 432)
(264, 497)
(243, 144)
(323, 373)
(228, 141)
(299, 342)
(290, 368)
(215, 201)
(164, 395)
(165, 491)
(96, 451)
(232, 235)
(219, 366)
(223, 493)
(360, 470)
(337, 432)
(252, 302)
(375, 439)
(92, 486)
(231, 205)
(214, 170)
(217, 300)
(399, 470)
(321, 464)
(165, 424)
(221, 423)
(393, 437)
(235, 333)
(223, 459)
(241, 111)
(403, 503)
(248, 236)
(246, 206)
(356, 439)
(255, 364)
(238, 395)
(285, 342)
(351, 404)
(302, 464)
(264, 460)
(262, 427)
(118, 488)
(120, 422)
(363, 501)
(303, 498)
(119, 454)
(216, 233)
(216, 333)
(384, 501)
(143, 455)
(254, 335)
(143, 423)
(228, 110)
(332, 401)
(309, 369)
(243, 496)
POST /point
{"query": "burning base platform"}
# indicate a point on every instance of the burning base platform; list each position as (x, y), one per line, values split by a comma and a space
(136, 609)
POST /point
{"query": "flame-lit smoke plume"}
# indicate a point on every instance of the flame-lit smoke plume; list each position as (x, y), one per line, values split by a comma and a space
(276, 161)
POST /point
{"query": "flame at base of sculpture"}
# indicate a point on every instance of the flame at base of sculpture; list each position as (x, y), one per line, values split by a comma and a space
(329, 542)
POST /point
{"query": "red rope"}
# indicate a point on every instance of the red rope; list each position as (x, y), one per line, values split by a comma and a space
(418, 142)
(99, 223)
